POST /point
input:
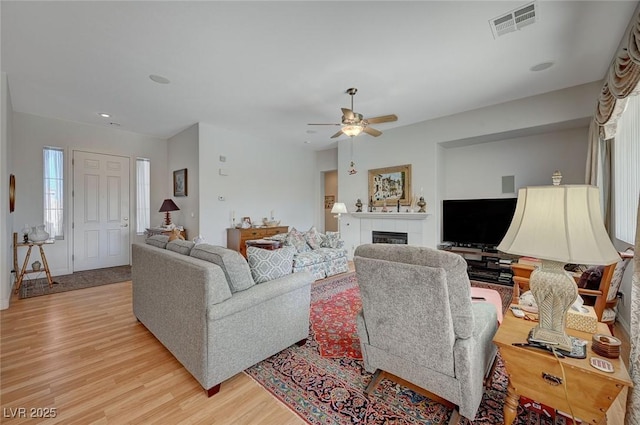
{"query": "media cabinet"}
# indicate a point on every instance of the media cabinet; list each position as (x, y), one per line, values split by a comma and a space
(486, 266)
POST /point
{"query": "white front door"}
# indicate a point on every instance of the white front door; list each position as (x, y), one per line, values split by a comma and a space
(100, 211)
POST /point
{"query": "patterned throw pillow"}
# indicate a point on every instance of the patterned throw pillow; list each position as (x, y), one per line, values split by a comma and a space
(313, 238)
(268, 265)
(332, 240)
(296, 239)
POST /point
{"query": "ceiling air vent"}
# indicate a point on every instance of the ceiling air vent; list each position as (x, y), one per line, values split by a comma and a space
(514, 20)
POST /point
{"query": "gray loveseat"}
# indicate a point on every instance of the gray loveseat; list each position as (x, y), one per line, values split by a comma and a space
(212, 317)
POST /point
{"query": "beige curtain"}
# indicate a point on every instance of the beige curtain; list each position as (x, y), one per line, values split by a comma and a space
(621, 82)
(633, 400)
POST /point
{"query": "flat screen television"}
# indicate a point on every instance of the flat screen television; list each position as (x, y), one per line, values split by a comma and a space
(476, 222)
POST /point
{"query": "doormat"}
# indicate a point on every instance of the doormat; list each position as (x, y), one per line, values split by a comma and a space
(78, 280)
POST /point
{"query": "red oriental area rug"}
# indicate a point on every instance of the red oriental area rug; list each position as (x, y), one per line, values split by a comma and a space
(324, 380)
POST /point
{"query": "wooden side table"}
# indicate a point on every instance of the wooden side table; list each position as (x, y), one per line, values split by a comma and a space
(535, 374)
(150, 231)
(23, 271)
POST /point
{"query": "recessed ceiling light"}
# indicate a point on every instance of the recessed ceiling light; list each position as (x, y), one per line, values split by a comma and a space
(306, 142)
(541, 66)
(115, 124)
(104, 115)
(159, 79)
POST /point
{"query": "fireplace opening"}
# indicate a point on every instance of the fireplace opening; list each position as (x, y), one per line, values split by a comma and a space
(389, 237)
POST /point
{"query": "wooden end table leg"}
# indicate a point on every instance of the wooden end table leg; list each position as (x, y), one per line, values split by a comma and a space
(510, 405)
(46, 266)
(24, 269)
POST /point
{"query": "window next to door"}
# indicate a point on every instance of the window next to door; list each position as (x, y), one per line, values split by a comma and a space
(143, 195)
(54, 191)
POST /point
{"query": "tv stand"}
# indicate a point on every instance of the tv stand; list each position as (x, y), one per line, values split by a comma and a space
(486, 265)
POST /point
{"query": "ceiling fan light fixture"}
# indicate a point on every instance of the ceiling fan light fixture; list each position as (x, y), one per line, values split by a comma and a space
(352, 130)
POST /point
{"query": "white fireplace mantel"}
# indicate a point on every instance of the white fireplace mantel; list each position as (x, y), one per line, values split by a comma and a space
(391, 215)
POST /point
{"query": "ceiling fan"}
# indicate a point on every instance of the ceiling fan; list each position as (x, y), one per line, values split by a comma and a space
(354, 123)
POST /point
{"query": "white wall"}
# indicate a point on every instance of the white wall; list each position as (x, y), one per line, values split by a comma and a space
(31, 133)
(259, 180)
(476, 171)
(419, 145)
(183, 153)
(6, 218)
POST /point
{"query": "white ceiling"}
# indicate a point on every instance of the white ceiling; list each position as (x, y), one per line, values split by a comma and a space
(268, 68)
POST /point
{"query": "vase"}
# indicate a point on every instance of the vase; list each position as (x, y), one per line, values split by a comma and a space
(38, 234)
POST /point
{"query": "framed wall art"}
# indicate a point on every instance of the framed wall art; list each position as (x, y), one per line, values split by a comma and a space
(329, 200)
(12, 193)
(390, 185)
(180, 182)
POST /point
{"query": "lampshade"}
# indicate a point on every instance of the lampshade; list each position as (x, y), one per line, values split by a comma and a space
(168, 205)
(339, 208)
(560, 223)
(352, 130)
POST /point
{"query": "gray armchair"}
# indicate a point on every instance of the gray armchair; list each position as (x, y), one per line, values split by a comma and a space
(418, 323)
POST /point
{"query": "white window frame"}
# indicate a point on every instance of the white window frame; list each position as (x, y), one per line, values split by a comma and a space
(626, 172)
(143, 195)
(53, 191)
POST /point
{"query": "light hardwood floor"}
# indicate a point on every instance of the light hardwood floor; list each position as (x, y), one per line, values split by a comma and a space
(84, 354)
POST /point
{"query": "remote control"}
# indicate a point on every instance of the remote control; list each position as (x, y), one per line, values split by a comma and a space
(517, 312)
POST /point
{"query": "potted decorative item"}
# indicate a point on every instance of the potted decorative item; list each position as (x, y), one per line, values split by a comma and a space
(36, 265)
(422, 204)
(358, 205)
(38, 234)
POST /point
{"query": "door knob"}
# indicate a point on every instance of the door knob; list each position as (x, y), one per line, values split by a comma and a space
(125, 225)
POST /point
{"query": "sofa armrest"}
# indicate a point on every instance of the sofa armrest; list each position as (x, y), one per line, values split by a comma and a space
(171, 295)
(474, 355)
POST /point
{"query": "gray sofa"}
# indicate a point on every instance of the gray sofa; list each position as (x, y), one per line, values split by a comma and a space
(418, 322)
(202, 304)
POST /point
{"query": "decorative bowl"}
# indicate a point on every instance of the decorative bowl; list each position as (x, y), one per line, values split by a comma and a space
(271, 223)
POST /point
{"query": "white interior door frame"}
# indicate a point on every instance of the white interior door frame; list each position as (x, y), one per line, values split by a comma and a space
(101, 226)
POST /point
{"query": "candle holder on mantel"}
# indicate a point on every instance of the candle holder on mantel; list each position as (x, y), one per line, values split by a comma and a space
(422, 204)
(358, 205)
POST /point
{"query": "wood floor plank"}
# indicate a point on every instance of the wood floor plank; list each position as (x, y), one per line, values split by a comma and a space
(85, 354)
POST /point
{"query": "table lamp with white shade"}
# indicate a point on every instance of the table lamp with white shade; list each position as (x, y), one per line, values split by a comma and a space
(558, 224)
(339, 208)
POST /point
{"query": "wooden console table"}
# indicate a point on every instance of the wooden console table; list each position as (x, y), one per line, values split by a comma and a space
(237, 238)
(590, 391)
(23, 271)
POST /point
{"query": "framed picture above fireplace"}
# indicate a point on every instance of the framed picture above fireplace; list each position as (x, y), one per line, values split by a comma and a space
(390, 185)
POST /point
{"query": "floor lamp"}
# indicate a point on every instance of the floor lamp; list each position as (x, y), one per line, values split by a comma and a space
(339, 208)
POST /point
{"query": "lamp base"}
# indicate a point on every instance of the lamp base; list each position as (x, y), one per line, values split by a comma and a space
(554, 291)
(167, 218)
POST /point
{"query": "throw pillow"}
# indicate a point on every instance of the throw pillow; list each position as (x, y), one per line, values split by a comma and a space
(180, 246)
(231, 262)
(332, 240)
(313, 238)
(296, 239)
(268, 265)
(159, 241)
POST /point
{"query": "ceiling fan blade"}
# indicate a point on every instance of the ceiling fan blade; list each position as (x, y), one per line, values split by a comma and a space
(338, 134)
(323, 124)
(348, 113)
(372, 131)
(383, 118)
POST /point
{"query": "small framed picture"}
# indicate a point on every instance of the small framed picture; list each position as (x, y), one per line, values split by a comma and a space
(246, 222)
(180, 182)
